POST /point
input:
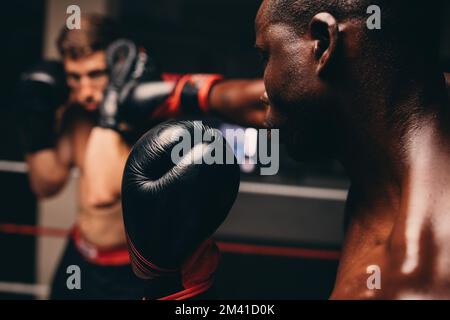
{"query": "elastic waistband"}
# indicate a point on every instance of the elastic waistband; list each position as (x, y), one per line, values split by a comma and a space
(104, 257)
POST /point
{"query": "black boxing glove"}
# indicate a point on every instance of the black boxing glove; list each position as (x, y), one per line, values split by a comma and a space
(137, 94)
(151, 102)
(40, 92)
(140, 102)
(171, 209)
(191, 93)
(128, 66)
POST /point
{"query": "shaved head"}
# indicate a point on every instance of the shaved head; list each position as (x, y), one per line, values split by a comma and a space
(407, 26)
(328, 75)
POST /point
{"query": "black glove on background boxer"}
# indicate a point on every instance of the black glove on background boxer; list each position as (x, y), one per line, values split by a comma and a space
(40, 92)
(137, 94)
(128, 66)
(169, 209)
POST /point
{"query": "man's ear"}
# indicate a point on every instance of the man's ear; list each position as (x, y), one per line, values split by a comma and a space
(324, 30)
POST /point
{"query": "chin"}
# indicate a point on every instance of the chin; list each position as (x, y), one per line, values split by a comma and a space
(305, 151)
(276, 119)
(307, 133)
(309, 142)
(90, 107)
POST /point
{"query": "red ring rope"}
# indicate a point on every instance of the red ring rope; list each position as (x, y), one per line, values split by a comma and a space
(229, 247)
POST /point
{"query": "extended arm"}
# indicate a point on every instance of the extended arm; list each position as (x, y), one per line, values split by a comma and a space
(239, 101)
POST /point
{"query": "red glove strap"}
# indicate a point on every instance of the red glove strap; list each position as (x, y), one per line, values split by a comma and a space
(207, 82)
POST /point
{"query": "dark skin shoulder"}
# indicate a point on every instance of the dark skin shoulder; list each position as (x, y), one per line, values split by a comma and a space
(395, 148)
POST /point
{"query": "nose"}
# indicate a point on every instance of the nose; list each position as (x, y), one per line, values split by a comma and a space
(265, 99)
(85, 87)
(86, 92)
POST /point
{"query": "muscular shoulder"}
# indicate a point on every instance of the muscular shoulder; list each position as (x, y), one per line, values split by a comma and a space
(419, 256)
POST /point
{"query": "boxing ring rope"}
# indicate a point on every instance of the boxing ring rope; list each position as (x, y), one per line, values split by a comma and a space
(293, 191)
(225, 246)
(245, 187)
(13, 166)
(41, 291)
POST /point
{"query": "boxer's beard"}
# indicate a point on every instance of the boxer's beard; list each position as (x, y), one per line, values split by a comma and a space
(309, 132)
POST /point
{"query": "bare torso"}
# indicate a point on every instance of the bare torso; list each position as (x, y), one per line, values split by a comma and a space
(100, 157)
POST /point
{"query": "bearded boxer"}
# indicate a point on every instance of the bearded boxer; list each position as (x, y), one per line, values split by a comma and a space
(376, 100)
(66, 123)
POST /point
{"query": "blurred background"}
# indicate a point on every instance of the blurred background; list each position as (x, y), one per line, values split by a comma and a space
(283, 236)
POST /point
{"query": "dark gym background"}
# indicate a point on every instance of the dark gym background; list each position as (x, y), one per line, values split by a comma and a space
(190, 36)
(21, 33)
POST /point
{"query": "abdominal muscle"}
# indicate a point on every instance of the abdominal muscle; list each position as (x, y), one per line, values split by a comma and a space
(102, 227)
(100, 223)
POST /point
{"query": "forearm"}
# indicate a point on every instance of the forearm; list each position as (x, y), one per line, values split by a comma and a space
(48, 173)
(239, 101)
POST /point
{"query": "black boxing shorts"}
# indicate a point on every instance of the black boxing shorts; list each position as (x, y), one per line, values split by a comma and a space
(104, 274)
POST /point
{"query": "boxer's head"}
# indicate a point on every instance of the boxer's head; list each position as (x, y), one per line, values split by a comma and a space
(322, 62)
(83, 53)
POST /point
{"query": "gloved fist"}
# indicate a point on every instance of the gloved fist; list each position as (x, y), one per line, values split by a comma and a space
(138, 95)
(128, 66)
(169, 208)
(40, 92)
